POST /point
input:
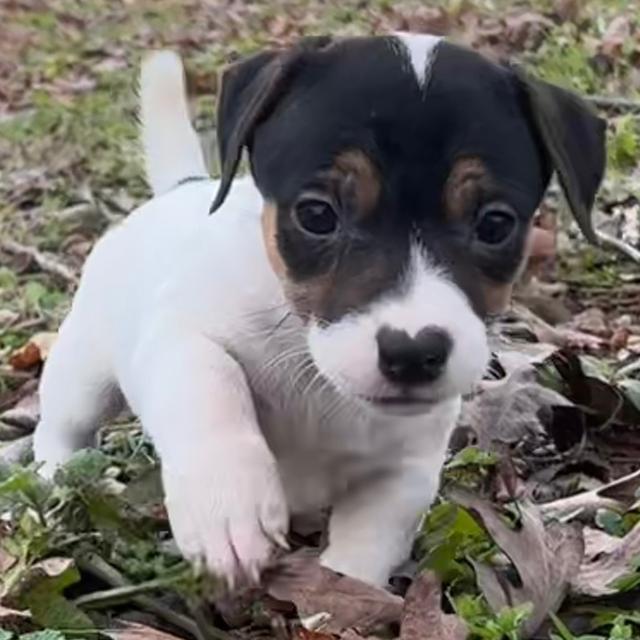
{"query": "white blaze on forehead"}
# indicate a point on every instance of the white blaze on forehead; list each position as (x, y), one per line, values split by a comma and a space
(420, 50)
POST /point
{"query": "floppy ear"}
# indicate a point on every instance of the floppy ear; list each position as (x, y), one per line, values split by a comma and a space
(574, 139)
(249, 91)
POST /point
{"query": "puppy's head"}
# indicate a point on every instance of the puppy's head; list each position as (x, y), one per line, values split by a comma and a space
(400, 176)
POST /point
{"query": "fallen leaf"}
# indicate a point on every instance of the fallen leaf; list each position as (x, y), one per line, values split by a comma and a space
(604, 400)
(567, 10)
(15, 621)
(25, 414)
(606, 559)
(547, 559)
(299, 578)
(592, 320)
(39, 589)
(506, 411)
(432, 20)
(617, 33)
(422, 615)
(618, 495)
(34, 352)
(527, 30)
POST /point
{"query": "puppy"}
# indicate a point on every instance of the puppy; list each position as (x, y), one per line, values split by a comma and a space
(301, 337)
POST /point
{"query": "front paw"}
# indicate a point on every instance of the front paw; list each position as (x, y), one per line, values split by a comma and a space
(227, 518)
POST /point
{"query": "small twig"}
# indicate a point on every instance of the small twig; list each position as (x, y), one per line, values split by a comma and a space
(118, 595)
(96, 566)
(614, 103)
(46, 263)
(616, 495)
(619, 245)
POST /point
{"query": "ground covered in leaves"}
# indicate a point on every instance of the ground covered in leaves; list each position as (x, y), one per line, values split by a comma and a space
(536, 533)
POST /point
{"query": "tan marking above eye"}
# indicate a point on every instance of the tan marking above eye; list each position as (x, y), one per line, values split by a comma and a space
(463, 186)
(356, 166)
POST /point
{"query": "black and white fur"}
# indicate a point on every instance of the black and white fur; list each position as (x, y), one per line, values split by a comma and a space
(260, 386)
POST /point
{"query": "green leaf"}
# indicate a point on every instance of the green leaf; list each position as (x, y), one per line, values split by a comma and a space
(472, 456)
(561, 628)
(85, 468)
(47, 634)
(611, 522)
(41, 591)
(631, 389)
(34, 292)
(624, 143)
(8, 281)
(5, 635)
(51, 609)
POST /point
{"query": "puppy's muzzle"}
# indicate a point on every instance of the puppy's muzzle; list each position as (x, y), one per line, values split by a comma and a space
(408, 361)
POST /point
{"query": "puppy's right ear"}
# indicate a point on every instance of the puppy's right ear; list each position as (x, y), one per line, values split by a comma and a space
(249, 91)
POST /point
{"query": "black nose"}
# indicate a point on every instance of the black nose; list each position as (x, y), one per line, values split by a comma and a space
(410, 361)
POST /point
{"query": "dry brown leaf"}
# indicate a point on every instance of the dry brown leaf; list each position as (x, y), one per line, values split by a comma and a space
(607, 558)
(6, 561)
(618, 32)
(618, 495)
(592, 321)
(527, 30)
(432, 20)
(506, 411)
(547, 559)
(567, 10)
(422, 616)
(299, 578)
(137, 631)
(25, 414)
(34, 352)
(16, 621)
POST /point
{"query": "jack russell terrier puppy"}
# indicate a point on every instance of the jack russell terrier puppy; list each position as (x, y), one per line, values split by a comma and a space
(300, 338)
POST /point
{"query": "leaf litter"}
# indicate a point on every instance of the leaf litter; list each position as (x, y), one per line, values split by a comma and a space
(536, 531)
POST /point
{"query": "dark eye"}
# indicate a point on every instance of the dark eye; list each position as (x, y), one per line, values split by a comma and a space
(495, 224)
(316, 217)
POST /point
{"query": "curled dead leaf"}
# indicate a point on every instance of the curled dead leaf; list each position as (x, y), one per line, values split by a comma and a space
(25, 414)
(527, 30)
(299, 578)
(546, 557)
(137, 631)
(34, 352)
(617, 33)
(606, 560)
(422, 616)
(508, 410)
(15, 621)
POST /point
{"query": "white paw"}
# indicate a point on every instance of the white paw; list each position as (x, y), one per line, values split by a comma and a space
(227, 517)
(50, 453)
(368, 565)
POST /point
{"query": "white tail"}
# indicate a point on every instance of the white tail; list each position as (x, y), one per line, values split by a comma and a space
(171, 146)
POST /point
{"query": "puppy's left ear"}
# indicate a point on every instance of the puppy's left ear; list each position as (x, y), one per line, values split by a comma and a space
(574, 139)
(250, 89)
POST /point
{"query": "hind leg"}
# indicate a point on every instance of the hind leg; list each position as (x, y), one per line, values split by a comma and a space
(77, 393)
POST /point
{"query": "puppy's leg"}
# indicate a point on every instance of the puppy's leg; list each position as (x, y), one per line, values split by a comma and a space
(77, 393)
(372, 527)
(223, 492)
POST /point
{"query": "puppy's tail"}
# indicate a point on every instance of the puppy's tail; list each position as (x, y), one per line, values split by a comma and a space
(171, 146)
